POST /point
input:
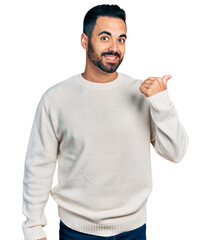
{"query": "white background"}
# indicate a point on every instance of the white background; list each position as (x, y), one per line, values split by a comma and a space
(40, 46)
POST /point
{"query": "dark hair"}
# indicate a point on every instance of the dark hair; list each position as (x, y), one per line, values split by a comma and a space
(101, 10)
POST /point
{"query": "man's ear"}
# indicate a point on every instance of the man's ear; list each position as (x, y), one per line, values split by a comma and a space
(84, 41)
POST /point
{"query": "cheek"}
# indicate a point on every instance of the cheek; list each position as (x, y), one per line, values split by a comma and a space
(99, 48)
(122, 51)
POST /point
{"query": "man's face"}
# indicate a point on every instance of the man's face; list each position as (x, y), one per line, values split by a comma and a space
(106, 48)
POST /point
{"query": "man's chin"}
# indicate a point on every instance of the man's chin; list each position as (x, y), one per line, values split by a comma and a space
(109, 70)
(110, 67)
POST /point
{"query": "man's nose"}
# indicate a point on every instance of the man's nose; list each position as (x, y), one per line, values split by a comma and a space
(113, 46)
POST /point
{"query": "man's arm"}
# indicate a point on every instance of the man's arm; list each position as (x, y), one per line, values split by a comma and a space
(40, 163)
(167, 133)
(168, 136)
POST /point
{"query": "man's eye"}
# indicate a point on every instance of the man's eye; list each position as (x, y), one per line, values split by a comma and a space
(104, 38)
(123, 40)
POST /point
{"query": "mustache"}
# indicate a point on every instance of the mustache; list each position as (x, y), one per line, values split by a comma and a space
(111, 53)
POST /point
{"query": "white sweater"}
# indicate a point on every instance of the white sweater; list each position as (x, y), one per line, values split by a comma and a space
(100, 135)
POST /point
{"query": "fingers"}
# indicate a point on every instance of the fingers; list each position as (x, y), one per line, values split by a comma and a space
(143, 87)
(147, 83)
(153, 85)
(144, 90)
(154, 78)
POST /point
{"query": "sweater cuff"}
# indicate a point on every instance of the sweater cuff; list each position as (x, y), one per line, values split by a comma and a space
(33, 233)
(160, 101)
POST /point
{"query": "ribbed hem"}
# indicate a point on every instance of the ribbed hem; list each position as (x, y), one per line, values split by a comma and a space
(33, 233)
(160, 101)
(98, 85)
(80, 224)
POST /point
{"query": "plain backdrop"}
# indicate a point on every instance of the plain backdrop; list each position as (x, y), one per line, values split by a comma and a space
(40, 46)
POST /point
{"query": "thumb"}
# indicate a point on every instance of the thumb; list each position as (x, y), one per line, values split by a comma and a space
(166, 78)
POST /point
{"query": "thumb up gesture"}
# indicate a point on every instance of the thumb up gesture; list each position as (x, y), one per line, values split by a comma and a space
(153, 85)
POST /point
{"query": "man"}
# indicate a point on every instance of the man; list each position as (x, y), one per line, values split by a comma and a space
(99, 126)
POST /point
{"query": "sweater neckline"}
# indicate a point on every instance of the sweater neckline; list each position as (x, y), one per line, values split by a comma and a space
(97, 85)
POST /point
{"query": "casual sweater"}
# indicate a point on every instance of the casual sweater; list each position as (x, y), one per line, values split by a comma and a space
(100, 135)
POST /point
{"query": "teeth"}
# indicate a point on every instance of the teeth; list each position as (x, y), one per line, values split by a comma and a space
(112, 58)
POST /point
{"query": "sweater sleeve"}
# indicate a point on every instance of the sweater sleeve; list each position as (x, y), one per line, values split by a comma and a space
(40, 163)
(168, 136)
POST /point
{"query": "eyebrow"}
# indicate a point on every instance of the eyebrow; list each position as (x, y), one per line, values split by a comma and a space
(108, 33)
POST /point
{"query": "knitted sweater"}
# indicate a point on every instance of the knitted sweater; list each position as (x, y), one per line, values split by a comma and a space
(99, 134)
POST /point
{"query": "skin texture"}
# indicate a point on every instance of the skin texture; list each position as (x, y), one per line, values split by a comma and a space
(98, 68)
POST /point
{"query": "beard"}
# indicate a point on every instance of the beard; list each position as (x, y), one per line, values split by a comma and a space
(108, 67)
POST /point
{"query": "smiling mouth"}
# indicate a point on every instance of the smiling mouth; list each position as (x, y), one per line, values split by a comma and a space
(111, 58)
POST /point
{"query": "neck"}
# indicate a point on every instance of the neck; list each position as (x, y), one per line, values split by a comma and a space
(95, 74)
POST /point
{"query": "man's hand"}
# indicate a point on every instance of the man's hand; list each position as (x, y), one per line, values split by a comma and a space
(42, 239)
(153, 85)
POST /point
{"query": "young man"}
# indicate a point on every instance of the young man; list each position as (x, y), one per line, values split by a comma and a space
(99, 125)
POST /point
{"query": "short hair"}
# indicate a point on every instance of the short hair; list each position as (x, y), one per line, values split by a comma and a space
(101, 10)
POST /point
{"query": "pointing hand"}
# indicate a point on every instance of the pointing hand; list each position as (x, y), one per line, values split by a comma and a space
(153, 85)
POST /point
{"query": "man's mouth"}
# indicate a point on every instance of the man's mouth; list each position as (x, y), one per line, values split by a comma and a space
(111, 58)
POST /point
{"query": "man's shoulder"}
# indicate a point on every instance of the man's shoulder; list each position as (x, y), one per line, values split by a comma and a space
(58, 88)
(131, 78)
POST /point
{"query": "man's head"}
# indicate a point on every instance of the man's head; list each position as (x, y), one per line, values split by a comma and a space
(104, 36)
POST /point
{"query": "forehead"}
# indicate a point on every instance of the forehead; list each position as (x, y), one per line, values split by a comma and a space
(114, 25)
